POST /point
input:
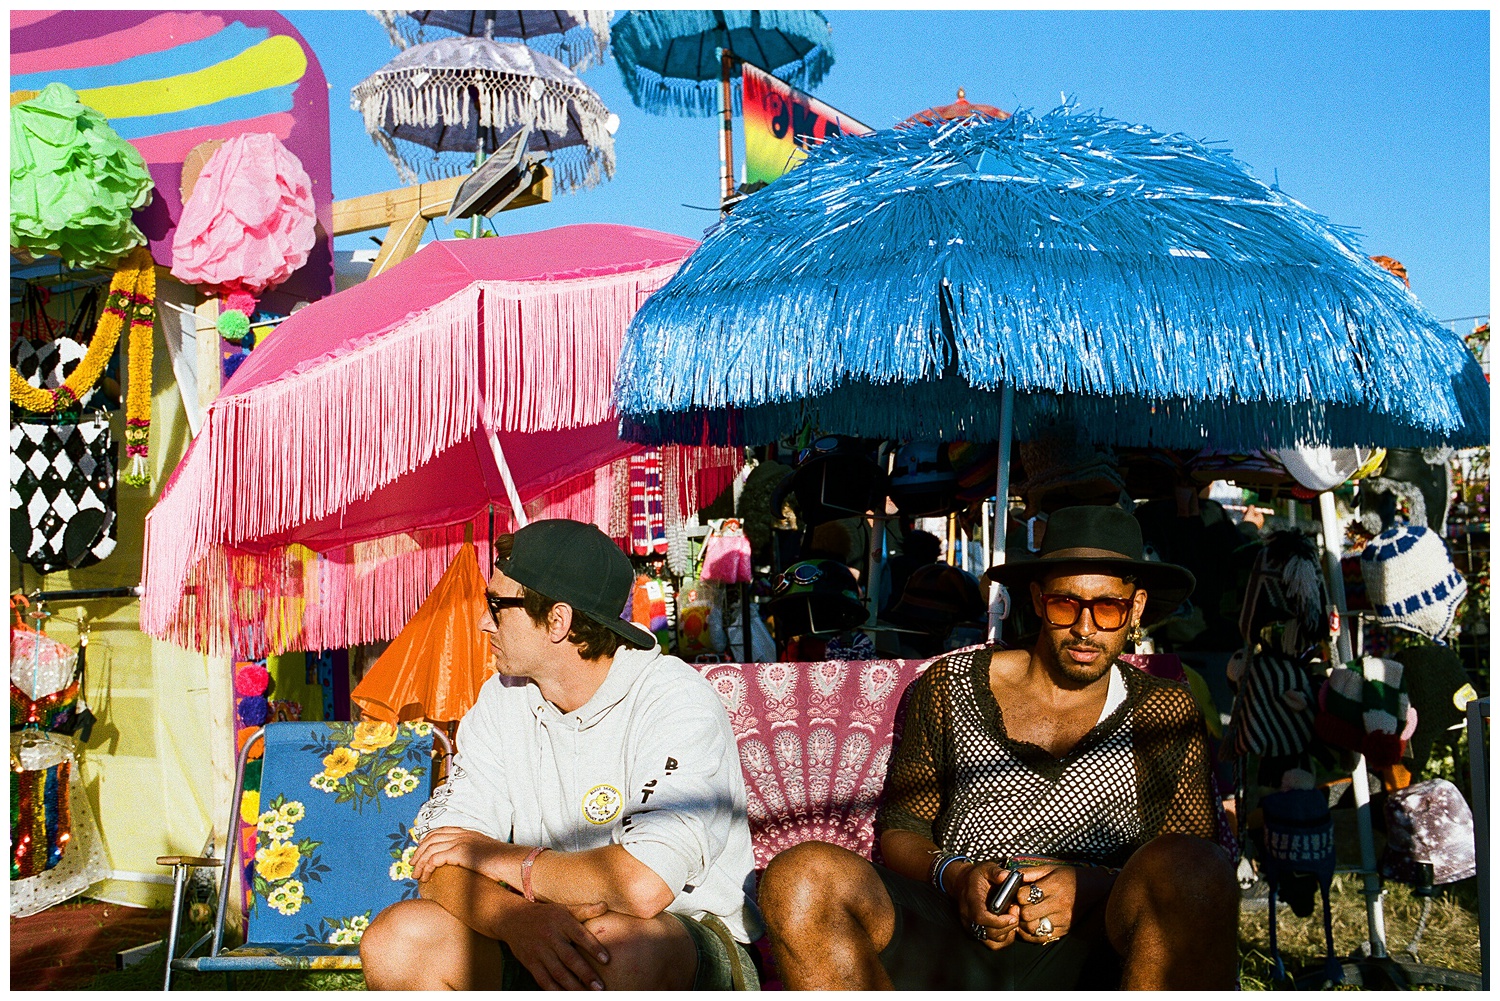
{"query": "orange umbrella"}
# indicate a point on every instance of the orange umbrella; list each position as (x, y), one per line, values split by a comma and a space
(435, 666)
(958, 109)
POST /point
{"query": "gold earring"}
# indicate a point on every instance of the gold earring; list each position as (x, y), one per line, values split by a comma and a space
(1136, 633)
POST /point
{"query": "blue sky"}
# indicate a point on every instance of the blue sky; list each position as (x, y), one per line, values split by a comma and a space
(1377, 119)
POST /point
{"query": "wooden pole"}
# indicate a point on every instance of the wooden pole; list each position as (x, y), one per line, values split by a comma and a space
(726, 135)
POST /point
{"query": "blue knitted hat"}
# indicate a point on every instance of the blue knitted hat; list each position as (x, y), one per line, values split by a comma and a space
(1411, 581)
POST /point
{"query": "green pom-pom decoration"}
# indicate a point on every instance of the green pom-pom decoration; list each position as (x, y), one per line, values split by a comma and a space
(233, 325)
(73, 182)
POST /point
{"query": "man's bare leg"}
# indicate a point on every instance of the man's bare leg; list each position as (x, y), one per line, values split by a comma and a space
(1173, 915)
(417, 945)
(829, 916)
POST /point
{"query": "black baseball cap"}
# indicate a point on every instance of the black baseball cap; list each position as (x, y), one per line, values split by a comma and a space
(575, 563)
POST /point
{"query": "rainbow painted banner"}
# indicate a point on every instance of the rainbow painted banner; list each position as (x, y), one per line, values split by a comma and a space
(169, 80)
(781, 123)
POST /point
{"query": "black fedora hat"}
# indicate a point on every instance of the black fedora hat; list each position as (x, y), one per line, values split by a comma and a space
(1102, 540)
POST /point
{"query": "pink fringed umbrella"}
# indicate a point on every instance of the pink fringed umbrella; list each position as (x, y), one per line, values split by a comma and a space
(337, 474)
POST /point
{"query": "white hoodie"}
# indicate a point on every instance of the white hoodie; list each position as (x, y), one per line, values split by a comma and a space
(649, 763)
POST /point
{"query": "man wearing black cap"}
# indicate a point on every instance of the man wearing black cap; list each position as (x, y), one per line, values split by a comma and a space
(593, 832)
(1089, 777)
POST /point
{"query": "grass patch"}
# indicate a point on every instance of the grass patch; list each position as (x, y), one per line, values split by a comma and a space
(148, 973)
(1451, 939)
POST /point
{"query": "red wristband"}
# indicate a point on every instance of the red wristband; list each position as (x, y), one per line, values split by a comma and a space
(526, 864)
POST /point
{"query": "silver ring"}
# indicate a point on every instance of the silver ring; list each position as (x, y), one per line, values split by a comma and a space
(978, 931)
(1044, 927)
(1034, 894)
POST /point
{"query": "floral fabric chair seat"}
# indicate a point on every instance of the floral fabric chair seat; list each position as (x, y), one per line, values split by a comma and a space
(329, 845)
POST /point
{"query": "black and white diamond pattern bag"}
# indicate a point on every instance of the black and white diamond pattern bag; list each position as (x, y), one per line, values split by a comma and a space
(62, 473)
(62, 493)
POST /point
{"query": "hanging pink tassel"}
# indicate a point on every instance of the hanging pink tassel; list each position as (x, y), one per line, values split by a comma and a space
(726, 554)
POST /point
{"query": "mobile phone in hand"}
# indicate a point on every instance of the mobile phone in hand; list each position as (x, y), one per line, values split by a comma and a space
(1001, 896)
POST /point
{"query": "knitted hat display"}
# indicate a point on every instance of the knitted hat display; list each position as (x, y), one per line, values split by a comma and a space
(975, 465)
(1428, 823)
(1411, 581)
(1364, 707)
(1273, 708)
(1299, 839)
(1286, 585)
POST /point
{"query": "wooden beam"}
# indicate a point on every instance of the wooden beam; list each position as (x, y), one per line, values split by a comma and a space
(426, 201)
(401, 241)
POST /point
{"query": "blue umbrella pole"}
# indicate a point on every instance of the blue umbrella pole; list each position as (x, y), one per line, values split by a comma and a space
(1002, 502)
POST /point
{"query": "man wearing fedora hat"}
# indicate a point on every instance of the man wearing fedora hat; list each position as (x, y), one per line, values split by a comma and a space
(1089, 777)
(593, 832)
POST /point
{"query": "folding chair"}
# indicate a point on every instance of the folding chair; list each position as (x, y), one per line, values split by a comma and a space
(333, 845)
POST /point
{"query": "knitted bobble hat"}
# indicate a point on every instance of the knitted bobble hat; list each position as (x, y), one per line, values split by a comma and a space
(1411, 581)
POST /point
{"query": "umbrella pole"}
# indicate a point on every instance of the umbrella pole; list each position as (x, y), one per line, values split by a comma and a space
(478, 162)
(1332, 551)
(516, 510)
(726, 134)
(1002, 502)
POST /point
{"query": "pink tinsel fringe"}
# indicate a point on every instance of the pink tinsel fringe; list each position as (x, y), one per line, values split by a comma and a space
(309, 444)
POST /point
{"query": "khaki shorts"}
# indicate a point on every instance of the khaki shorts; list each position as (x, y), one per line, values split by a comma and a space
(723, 963)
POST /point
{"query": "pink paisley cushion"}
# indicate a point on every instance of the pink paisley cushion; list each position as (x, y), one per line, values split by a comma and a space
(815, 740)
(250, 220)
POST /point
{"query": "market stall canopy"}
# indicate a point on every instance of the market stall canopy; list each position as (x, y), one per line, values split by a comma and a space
(576, 38)
(335, 474)
(1139, 283)
(468, 95)
(670, 59)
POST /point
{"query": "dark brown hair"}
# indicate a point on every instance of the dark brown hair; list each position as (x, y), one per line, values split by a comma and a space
(593, 640)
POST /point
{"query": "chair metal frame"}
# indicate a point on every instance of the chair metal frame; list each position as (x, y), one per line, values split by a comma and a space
(183, 865)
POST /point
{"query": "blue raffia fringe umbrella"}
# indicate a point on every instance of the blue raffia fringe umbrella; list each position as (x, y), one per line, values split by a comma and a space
(670, 61)
(1140, 283)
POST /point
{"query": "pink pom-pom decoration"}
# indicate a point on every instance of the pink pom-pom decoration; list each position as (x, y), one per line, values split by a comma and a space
(240, 300)
(249, 223)
(251, 680)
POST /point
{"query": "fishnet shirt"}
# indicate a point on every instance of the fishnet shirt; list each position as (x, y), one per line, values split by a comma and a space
(959, 780)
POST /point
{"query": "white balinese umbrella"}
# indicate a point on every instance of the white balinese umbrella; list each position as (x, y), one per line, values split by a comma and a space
(468, 95)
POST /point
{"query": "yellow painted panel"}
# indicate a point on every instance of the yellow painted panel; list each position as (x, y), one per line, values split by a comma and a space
(277, 61)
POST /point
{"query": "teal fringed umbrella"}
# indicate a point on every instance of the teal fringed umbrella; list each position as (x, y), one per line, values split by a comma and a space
(681, 62)
(904, 284)
(670, 59)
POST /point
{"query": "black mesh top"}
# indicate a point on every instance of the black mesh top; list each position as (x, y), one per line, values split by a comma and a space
(958, 779)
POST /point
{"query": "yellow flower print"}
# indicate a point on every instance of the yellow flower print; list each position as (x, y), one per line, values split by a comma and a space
(359, 923)
(292, 812)
(280, 830)
(420, 729)
(278, 861)
(324, 782)
(372, 735)
(250, 807)
(266, 821)
(341, 762)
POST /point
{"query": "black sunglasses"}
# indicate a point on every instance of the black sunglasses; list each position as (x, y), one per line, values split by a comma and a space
(498, 604)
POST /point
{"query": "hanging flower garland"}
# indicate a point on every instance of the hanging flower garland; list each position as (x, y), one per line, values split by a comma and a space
(138, 394)
(132, 293)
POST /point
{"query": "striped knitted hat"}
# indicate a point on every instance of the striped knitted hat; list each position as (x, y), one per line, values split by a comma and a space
(1411, 581)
